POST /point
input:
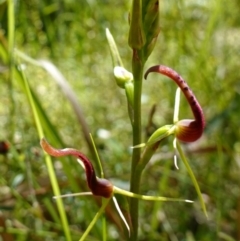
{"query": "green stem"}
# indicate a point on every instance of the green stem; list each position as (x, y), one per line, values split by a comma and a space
(11, 37)
(48, 161)
(11, 24)
(137, 68)
(99, 213)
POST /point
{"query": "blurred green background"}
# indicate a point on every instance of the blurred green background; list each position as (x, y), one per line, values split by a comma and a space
(199, 39)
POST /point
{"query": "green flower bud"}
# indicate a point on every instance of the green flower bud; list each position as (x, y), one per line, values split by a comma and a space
(151, 13)
(152, 38)
(151, 25)
(136, 38)
(129, 88)
(122, 76)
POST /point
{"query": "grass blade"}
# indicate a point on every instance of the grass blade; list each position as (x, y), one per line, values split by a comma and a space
(48, 161)
(194, 180)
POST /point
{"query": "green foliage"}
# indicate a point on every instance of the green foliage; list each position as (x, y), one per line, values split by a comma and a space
(200, 39)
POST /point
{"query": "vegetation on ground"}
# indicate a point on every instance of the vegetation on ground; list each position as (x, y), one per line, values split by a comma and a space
(54, 40)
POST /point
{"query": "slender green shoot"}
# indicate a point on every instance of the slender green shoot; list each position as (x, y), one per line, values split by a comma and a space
(104, 222)
(11, 26)
(48, 161)
(11, 39)
(194, 180)
(99, 213)
(104, 228)
(177, 145)
(98, 158)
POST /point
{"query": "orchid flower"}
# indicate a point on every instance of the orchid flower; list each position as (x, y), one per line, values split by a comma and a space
(99, 186)
(186, 130)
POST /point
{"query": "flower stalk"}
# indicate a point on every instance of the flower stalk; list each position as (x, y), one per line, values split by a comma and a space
(140, 39)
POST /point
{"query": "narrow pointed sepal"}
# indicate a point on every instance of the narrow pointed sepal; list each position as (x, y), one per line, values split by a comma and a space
(116, 59)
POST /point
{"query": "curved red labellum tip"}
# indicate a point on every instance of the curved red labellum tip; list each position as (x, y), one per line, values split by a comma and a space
(194, 129)
(98, 186)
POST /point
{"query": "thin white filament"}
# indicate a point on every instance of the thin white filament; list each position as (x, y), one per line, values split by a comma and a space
(175, 151)
(175, 162)
(177, 105)
(73, 195)
(81, 163)
(121, 214)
